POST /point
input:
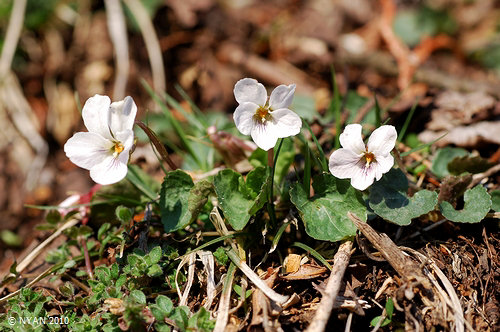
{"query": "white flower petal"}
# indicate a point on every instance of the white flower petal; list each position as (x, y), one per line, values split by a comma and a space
(110, 170)
(95, 115)
(243, 117)
(383, 165)
(282, 96)
(351, 138)
(364, 179)
(87, 149)
(249, 90)
(382, 140)
(264, 136)
(285, 123)
(344, 163)
(122, 114)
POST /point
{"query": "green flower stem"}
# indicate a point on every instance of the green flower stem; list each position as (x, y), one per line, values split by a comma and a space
(271, 161)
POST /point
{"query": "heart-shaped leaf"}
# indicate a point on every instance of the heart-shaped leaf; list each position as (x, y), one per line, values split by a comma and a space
(477, 205)
(325, 214)
(389, 200)
(181, 200)
(239, 200)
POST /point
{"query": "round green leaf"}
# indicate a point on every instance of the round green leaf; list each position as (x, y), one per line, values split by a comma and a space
(477, 205)
(388, 199)
(325, 214)
(239, 200)
(138, 296)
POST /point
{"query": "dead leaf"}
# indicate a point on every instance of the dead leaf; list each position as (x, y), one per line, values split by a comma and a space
(306, 271)
(466, 136)
(292, 263)
(114, 305)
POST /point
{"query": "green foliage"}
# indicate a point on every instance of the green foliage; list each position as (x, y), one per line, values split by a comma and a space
(389, 199)
(181, 200)
(258, 158)
(477, 205)
(389, 311)
(305, 107)
(141, 265)
(325, 215)
(495, 200)
(10, 238)
(240, 200)
(443, 157)
(221, 256)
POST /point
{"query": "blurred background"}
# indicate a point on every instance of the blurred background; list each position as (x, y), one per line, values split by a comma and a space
(57, 53)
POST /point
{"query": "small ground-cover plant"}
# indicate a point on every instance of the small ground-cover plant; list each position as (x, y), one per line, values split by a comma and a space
(151, 230)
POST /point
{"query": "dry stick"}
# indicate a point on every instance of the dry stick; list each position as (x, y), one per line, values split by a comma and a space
(340, 262)
(476, 178)
(224, 302)
(404, 266)
(118, 34)
(152, 44)
(28, 259)
(12, 36)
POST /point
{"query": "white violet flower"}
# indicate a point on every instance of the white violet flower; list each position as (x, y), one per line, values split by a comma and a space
(104, 149)
(264, 120)
(362, 164)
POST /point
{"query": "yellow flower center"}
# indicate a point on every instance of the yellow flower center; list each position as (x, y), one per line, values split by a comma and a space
(117, 148)
(262, 114)
(369, 157)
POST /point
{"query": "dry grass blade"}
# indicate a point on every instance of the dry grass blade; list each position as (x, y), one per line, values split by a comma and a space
(152, 44)
(341, 260)
(28, 259)
(118, 33)
(12, 36)
(188, 259)
(207, 258)
(224, 302)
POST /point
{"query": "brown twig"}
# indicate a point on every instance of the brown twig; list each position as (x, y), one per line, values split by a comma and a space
(341, 260)
(476, 178)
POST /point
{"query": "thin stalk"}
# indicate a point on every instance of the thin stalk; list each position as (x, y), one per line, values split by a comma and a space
(402, 132)
(158, 145)
(271, 161)
(88, 263)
